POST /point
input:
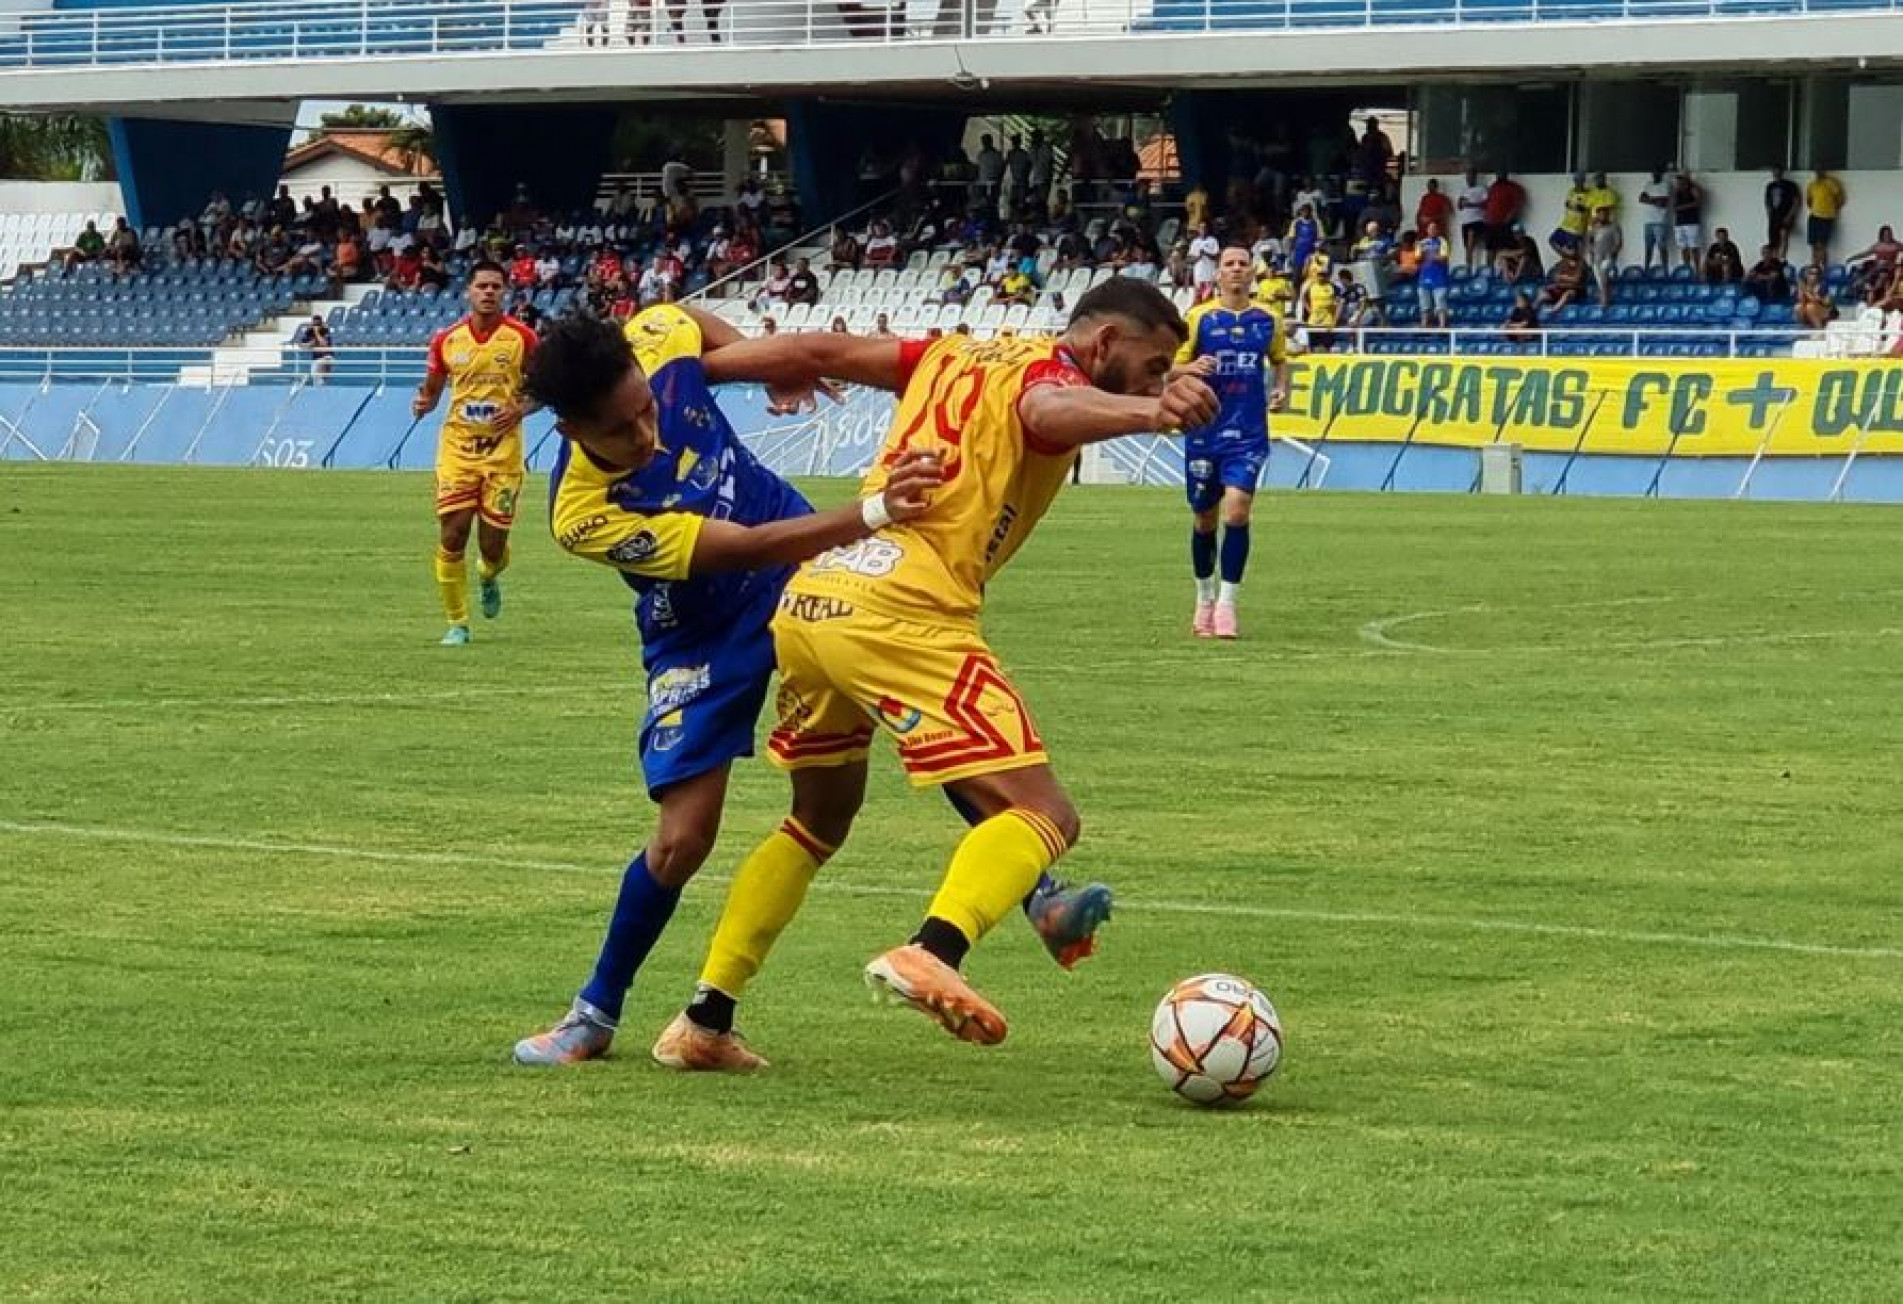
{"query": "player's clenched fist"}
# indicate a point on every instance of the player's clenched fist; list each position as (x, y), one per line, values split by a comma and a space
(1186, 404)
(910, 483)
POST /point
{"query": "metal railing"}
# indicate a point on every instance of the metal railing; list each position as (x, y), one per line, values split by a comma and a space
(303, 30)
(404, 363)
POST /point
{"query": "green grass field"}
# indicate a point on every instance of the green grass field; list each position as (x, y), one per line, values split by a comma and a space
(1564, 834)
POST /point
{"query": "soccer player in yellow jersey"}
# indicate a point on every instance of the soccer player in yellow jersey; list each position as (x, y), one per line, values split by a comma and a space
(883, 633)
(481, 361)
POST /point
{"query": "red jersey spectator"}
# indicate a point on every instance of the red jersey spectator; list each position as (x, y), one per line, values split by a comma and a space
(1506, 199)
(522, 270)
(1435, 209)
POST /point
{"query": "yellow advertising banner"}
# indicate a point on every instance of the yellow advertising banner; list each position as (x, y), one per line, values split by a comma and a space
(1693, 408)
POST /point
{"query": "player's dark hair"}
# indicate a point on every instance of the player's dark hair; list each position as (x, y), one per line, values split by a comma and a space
(577, 364)
(1134, 301)
(487, 265)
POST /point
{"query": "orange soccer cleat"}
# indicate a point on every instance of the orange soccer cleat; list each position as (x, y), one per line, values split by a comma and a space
(914, 976)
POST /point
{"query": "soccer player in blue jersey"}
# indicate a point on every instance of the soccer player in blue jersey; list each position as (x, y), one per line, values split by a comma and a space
(1233, 343)
(652, 481)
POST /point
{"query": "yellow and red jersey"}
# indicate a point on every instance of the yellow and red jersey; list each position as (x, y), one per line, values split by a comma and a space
(485, 374)
(960, 403)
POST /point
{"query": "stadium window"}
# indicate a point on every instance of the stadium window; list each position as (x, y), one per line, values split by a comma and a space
(1875, 129)
(1737, 126)
(1628, 126)
(1826, 119)
(1518, 128)
(1764, 124)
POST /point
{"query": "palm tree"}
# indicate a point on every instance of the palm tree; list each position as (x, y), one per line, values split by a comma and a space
(54, 147)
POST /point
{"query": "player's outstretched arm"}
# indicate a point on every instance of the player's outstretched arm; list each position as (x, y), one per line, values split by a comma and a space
(724, 546)
(803, 360)
(1069, 416)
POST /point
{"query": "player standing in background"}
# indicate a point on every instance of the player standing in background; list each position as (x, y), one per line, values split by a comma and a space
(481, 360)
(885, 633)
(1232, 339)
(652, 481)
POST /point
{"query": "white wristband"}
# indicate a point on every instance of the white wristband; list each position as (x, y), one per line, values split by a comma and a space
(872, 511)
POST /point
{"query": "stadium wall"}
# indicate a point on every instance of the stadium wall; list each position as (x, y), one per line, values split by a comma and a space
(1828, 430)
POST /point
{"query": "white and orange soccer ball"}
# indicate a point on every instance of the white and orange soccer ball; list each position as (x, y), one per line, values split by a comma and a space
(1215, 1039)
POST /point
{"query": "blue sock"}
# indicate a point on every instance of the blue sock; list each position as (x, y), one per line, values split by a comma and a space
(641, 914)
(1235, 553)
(969, 814)
(1202, 553)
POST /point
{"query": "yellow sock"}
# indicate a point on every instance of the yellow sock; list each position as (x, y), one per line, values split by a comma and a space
(488, 572)
(452, 577)
(994, 868)
(766, 894)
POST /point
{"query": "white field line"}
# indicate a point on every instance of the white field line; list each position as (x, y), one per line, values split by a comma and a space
(1380, 633)
(241, 701)
(1447, 923)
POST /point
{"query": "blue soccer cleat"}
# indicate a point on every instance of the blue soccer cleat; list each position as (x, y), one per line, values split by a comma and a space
(457, 636)
(489, 596)
(584, 1033)
(1067, 918)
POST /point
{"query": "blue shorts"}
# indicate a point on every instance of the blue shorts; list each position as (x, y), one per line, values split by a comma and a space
(1235, 464)
(705, 698)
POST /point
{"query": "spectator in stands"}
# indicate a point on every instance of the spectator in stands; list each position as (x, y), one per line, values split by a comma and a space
(282, 211)
(1373, 152)
(1017, 176)
(845, 254)
(1139, 262)
(1825, 196)
(1520, 260)
(522, 269)
(1506, 200)
(1204, 251)
(1375, 254)
(88, 248)
(217, 213)
(1569, 279)
(1602, 195)
(1043, 160)
(1724, 264)
(778, 282)
(1688, 220)
(1872, 269)
(1351, 300)
(839, 326)
(548, 269)
(1407, 254)
(242, 242)
(314, 339)
(882, 247)
(655, 284)
(1604, 242)
(881, 328)
(524, 310)
(1570, 235)
(1435, 208)
(989, 176)
(1471, 208)
(274, 251)
(1523, 319)
(1814, 307)
(310, 258)
(406, 270)
(1655, 205)
(804, 286)
(1768, 280)
(435, 270)
(1318, 305)
(1304, 237)
(768, 326)
(1433, 280)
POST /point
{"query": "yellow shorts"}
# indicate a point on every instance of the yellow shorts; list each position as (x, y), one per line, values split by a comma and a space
(937, 690)
(490, 487)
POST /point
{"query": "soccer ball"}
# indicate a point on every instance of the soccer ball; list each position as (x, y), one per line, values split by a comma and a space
(1215, 1039)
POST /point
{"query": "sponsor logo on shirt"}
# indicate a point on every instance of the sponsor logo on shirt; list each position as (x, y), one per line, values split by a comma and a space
(634, 549)
(673, 689)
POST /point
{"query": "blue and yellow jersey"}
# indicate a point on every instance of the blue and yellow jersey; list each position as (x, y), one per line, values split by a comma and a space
(645, 523)
(1244, 344)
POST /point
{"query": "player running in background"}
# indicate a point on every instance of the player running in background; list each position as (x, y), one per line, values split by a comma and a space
(884, 633)
(481, 361)
(1232, 339)
(652, 481)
